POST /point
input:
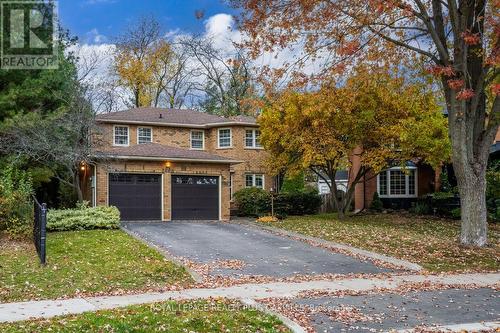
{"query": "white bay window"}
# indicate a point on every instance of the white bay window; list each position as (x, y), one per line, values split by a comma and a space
(397, 183)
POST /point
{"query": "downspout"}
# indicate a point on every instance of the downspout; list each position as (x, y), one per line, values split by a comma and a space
(93, 184)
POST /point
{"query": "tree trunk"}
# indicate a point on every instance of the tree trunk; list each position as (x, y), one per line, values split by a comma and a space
(472, 188)
(470, 150)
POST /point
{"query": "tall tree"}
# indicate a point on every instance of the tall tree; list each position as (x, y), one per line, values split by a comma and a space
(60, 141)
(225, 78)
(389, 120)
(156, 72)
(459, 40)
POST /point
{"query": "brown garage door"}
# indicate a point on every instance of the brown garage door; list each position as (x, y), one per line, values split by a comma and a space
(195, 197)
(137, 196)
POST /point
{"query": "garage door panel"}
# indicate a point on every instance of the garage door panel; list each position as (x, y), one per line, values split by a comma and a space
(137, 196)
(195, 197)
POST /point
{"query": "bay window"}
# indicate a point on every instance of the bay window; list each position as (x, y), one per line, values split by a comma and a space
(397, 183)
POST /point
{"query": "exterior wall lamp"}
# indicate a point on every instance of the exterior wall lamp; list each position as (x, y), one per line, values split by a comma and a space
(168, 165)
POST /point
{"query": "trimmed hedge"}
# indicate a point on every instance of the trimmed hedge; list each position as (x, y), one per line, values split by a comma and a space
(83, 218)
(257, 202)
(253, 201)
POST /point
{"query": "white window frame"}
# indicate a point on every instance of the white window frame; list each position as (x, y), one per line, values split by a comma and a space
(151, 139)
(202, 139)
(254, 138)
(128, 136)
(253, 180)
(230, 138)
(407, 183)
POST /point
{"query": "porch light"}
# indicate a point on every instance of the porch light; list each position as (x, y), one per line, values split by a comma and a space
(168, 164)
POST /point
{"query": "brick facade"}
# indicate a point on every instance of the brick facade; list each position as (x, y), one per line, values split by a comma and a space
(366, 188)
(252, 161)
(177, 168)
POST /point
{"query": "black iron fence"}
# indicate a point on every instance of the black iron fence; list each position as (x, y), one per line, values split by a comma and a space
(39, 229)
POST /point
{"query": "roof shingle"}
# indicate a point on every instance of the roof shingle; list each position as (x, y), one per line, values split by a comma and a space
(158, 151)
(171, 116)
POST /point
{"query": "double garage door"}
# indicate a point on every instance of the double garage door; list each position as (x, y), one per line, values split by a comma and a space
(139, 196)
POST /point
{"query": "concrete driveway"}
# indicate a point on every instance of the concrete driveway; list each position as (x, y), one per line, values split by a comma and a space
(262, 252)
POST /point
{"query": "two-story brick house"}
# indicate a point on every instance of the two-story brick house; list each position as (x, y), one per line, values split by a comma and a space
(165, 164)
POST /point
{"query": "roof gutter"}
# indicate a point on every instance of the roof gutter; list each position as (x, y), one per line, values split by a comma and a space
(173, 159)
(154, 123)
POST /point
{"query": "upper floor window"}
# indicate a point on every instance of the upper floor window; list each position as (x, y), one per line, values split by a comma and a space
(255, 180)
(144, 135)
(252, 138)
(120, 136)
(197, 139)
(397, 183)
(225, 138)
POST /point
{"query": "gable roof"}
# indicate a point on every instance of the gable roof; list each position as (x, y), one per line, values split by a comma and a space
(173, 117)
(156, 151)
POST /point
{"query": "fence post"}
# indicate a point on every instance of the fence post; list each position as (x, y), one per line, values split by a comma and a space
(43, 225)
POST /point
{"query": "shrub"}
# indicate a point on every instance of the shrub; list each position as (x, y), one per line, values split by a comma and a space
(257, 202)
(253, 201)
(376, 204)
(83, 218)
(455, 213)
(303, 202)
(421, 208)
(443, 203)
(16, 207)
(493, 194)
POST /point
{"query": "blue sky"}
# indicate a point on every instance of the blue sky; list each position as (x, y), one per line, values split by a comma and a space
(95, 21)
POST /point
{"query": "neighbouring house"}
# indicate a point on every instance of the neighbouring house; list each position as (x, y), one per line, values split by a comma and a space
(398, 188)
(341, 179)
(169, 164)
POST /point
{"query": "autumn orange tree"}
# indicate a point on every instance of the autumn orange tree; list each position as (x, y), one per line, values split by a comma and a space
(457, 40)
(321, 130)
(146, 63)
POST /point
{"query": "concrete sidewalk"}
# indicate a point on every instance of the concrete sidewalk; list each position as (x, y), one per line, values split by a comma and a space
(11, 312)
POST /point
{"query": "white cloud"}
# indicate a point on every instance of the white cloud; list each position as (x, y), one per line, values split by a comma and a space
(172, 33)
(220, 29)
(93, 36)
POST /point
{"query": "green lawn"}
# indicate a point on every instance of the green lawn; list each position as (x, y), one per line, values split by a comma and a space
(83, 262)
(430, 242)
(193, 316)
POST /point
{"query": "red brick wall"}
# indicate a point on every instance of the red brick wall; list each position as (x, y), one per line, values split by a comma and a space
(364, 191)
